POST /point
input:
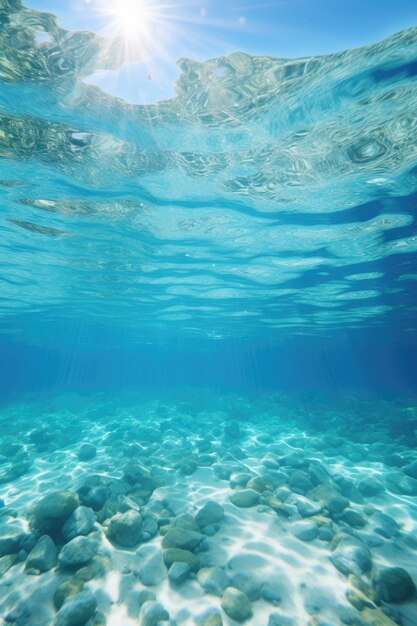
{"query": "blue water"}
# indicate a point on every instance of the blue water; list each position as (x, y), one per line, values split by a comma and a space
(209, 299)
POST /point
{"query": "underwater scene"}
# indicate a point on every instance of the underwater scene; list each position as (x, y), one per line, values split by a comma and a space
(208, 324)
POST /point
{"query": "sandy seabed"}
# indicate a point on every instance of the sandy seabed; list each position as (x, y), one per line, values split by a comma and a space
(208, 509)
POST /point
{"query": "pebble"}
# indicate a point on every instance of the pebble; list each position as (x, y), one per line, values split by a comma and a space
(125, 528)
(245, 498)
(176, 555)
(370, 539)
(394, 584)
(260, 484)
(80, 522)
(182, 538)
(271, 592)
(211, 618)
(43, 556)
(78, 551)
(275, 619)
(66, 589)
(318, 474)
(152, 571)
(188, 467)
(304, 530)
(370, 487)
(307, 508)
(246, 582)
(96, 497)
(210, 514)
(352, 518)
(351, 556)
(295, 460)
(134, 472)
(145, 595)
(6, 562)
(178, 573)
(11, 537)
(325, 533)
(57, 505)
(149, 525)
(239, 479)
(300, 482)
(213, 580)
(87, 452)
(185, 521)
(385, 525)
(329, 498)
(77, 610)
(152, 613)
(236, 605)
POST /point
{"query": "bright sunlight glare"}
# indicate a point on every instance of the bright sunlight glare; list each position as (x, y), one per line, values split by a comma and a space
(154, 27)
(131, 20)
(155, 33)
(132, 17)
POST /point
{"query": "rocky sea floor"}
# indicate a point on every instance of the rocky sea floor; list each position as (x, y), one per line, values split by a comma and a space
(208, 509)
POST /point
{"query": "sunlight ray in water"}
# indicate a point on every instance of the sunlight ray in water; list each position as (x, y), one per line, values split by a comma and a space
(153, 36)
(137, 22)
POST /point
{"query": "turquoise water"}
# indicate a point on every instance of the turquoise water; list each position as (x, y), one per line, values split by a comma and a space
(269, 197)
(208, 407)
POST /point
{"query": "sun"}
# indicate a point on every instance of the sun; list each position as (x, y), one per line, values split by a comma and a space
(132, 21)
(132, 18)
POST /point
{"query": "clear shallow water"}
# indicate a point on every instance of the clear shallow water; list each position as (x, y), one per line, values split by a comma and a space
(269, 195)
(211, 299)
(328, 505)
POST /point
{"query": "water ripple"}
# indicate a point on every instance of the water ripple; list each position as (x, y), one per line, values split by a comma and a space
(247, 204)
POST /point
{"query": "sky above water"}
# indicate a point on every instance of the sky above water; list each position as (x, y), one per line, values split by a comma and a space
(201, 29)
